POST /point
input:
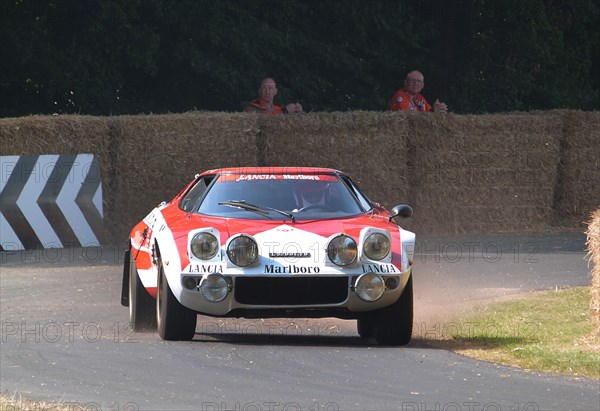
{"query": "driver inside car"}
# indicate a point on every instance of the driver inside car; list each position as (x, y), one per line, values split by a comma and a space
(311, 193)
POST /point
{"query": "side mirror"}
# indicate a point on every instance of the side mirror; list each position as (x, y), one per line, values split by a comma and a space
(401, 210)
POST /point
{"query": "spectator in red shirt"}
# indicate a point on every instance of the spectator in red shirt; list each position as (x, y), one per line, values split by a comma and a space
(264, 102)
(410, 98)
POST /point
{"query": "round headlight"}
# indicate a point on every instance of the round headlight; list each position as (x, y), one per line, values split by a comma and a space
(204, 246)
(369, 287)
(242, 251)
(214, 287)
(377, 246)
(342, 250)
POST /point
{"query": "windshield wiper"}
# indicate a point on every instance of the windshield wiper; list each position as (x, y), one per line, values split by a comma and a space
(260, 209)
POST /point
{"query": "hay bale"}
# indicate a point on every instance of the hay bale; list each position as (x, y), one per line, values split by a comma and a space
(578, 194)
(158, 155)
(68, 134)
(489, 173)
(505, 173)
(370, 146)
(37, 135)
(143, 159)
(593, 244)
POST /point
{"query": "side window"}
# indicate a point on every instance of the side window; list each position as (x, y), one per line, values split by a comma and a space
(191, 200)
(364, 202)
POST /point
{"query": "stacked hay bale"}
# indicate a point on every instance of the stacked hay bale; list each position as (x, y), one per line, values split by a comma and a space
(65, 135)
(489, 173)
(71, 134)
(593, 242)
(462, 174)
(370, 146)
(157, 155)
(579, 193)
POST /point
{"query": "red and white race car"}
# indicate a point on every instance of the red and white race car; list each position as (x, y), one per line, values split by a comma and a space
(271, 242)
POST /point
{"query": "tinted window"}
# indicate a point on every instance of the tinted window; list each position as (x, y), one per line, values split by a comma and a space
(305, 197)
(362, 199)
(191, 199)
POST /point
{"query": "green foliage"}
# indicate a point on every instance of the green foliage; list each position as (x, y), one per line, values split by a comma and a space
(113, 57)
(527, 55)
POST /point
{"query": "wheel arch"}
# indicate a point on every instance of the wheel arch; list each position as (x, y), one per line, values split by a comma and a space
(167, 254)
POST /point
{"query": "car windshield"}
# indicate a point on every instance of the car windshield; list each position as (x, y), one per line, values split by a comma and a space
(282, 197)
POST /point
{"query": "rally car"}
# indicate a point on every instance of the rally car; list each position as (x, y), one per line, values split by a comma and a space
(271, 243)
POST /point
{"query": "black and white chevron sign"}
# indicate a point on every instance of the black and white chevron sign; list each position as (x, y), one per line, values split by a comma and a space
(50, 201)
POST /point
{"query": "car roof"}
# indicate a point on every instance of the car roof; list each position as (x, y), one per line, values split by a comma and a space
(273, 170)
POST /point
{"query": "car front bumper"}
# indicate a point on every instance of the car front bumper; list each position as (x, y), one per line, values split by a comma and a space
(293, 295)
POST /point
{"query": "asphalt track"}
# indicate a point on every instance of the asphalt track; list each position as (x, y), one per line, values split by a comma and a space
(66, 338)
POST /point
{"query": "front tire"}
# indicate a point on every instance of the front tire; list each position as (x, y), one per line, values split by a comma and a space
(141, 304)
(175, 322)
(366, 326)
(393, 324)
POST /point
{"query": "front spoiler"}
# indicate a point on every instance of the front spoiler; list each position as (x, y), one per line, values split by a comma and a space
(351, 307)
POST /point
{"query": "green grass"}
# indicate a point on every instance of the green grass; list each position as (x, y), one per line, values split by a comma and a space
(547, 331)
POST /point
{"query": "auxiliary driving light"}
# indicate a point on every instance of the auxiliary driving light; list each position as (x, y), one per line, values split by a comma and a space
(369, 287)
(391, 283)
(190, 283)
(214, 287)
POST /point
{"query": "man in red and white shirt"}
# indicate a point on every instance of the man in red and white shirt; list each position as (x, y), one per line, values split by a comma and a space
(410, 98)
(264, 103)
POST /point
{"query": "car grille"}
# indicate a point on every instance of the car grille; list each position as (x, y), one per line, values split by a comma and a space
(291, 290)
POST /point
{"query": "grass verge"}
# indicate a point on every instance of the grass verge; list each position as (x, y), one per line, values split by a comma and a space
(550, 331)
(15, 402)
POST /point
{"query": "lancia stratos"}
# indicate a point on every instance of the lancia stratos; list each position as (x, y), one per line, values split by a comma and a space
(271, 243)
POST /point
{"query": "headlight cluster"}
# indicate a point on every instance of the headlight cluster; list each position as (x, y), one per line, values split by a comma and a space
(214, 287)
(204, 246)
(377, 246)
(242, 250)
(342, 250)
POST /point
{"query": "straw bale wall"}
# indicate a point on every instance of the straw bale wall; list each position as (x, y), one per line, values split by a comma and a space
(370, 146)
(512, 172)
(158, 155)
(143, 159)
(593, 242)
(482, 173)
(579, 191)
(38, 135)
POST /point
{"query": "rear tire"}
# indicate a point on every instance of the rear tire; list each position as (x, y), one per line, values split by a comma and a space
(141, 304)
(393, 324)
(175, 322)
